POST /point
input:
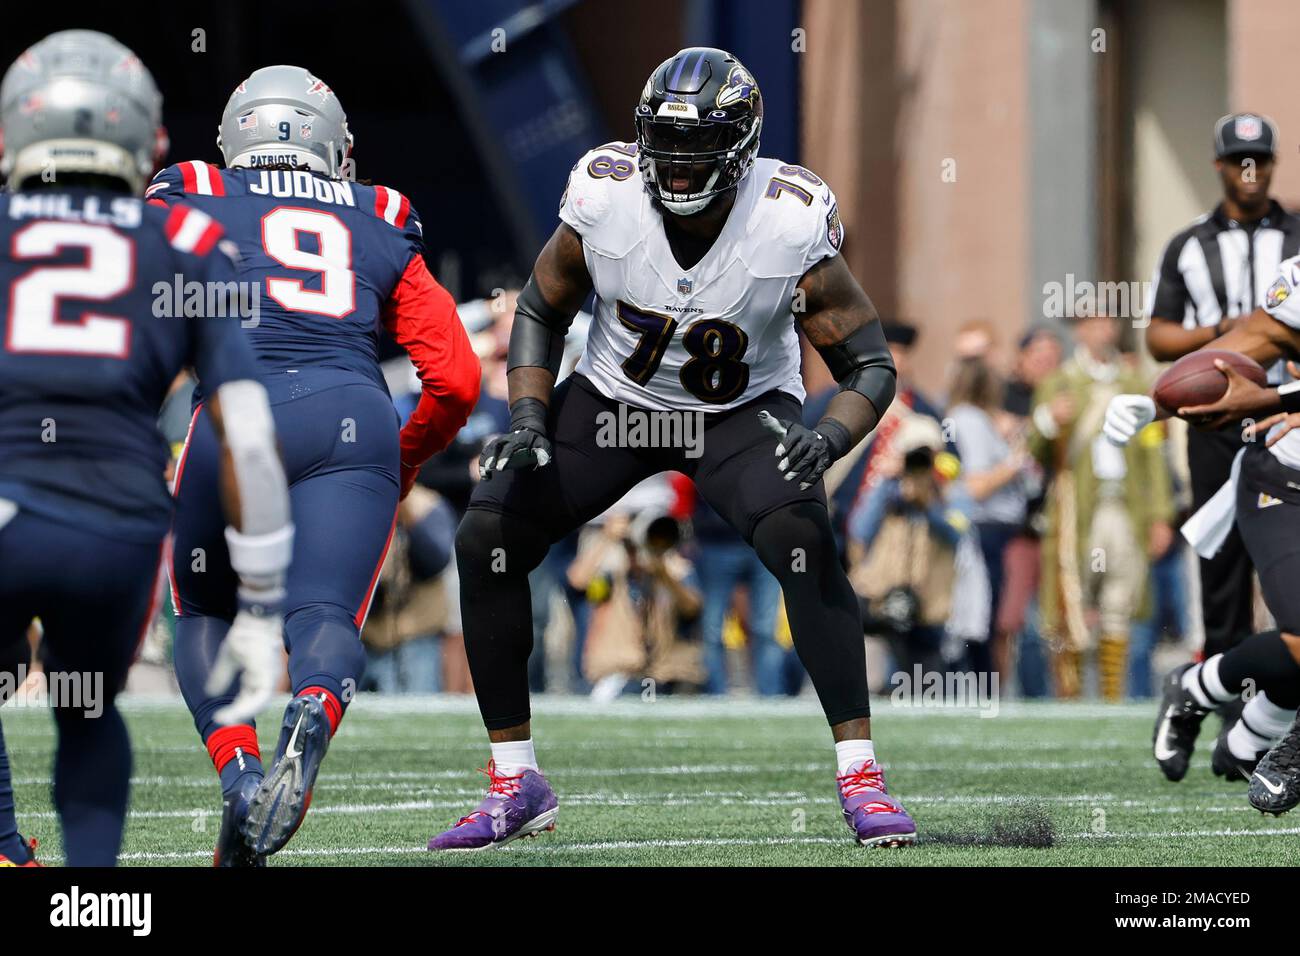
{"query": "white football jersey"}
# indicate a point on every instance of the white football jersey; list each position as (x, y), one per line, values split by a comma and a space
(719, 333)
(1282, 301)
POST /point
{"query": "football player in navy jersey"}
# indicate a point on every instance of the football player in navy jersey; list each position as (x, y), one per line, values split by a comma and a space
(86, 362)
(333, 260)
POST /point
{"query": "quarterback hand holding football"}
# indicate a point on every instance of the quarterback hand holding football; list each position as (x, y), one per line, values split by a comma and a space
(806, 454)
(524, 446)
(1126, 415)
(251, 652)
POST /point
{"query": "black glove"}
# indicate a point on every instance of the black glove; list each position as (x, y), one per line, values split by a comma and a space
(524, 446)
(806, 454)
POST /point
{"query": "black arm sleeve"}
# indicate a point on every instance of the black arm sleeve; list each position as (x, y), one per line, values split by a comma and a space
(537, 336)
(862, 363)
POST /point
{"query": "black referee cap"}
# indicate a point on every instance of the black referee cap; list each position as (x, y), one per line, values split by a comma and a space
(1244, 134)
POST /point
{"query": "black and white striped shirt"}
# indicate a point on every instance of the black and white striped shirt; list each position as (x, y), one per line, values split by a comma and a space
(1218, 268)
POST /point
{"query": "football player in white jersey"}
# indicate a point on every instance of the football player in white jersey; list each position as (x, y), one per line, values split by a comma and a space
(1267, 513)
(703, 259)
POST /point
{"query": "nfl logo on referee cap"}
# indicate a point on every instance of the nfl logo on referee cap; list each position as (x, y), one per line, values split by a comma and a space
(684, 286)
(1249, 127)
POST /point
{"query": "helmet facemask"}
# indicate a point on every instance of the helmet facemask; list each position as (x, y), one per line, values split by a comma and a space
(685, 164)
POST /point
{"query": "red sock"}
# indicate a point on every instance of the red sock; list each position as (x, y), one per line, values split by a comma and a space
(227, 743)
(333, 709)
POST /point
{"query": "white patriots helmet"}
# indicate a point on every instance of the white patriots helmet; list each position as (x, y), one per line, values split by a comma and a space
(79, 102)
(284, 114)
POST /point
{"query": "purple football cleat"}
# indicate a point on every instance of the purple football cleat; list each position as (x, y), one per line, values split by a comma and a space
(515, 806)
(877, 818)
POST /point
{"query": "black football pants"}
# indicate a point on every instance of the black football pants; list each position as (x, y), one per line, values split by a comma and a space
(514, 518)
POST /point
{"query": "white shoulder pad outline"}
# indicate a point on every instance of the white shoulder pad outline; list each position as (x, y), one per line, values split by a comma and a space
(794, 223)
(605, 198)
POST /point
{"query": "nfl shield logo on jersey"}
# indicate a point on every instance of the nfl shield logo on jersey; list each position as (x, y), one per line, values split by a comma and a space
(684, 286)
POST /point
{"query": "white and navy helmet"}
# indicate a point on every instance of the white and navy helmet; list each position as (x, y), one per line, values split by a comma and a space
(79, 102)
(285, 115)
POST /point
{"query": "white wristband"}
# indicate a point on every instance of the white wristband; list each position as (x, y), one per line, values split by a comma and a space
(260, 555)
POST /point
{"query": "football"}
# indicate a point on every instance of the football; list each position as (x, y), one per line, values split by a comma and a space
(1194, 379)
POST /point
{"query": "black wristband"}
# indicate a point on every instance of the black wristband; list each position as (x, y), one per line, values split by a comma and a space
(838, 439)
(1290, 397)
(528, 413)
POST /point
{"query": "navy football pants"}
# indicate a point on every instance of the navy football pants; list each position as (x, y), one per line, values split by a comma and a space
(341, 459)
(94, 596)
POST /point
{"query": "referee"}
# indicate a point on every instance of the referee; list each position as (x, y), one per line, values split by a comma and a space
(1213, 273)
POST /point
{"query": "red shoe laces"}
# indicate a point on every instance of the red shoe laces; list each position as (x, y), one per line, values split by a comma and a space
(500, 784)
(869, 778)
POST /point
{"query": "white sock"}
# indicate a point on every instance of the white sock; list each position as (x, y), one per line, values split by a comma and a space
(514, 756)
(1262, 723)
(850, 752)
(1213, 692)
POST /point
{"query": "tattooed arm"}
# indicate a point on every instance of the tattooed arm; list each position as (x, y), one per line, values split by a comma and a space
(842, 325)
(551, 298)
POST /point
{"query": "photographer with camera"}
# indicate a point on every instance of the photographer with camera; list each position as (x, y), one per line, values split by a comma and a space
(903, 542)
(646, 600)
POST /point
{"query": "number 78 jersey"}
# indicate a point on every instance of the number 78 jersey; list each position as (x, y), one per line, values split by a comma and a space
(720, 333)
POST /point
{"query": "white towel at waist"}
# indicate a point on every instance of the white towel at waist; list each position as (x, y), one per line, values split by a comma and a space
(1206, 530)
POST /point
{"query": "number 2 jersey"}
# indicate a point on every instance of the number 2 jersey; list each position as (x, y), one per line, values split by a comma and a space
(331, 261)
(90, 351)
(715, 335)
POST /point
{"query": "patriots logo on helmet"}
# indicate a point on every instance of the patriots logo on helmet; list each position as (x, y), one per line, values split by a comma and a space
(740, 87)
(318, 87)
(129, 64)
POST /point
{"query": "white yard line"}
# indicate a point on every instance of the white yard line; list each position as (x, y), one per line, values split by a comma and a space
(460, 799)
(553, 846)
(682, 707)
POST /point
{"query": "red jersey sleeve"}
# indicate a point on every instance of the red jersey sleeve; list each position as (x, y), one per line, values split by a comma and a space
(421, 316)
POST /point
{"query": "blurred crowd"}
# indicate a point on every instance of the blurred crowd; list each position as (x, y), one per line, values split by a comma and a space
(988, 529)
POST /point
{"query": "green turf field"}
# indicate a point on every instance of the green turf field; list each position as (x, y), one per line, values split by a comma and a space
(681, 782)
